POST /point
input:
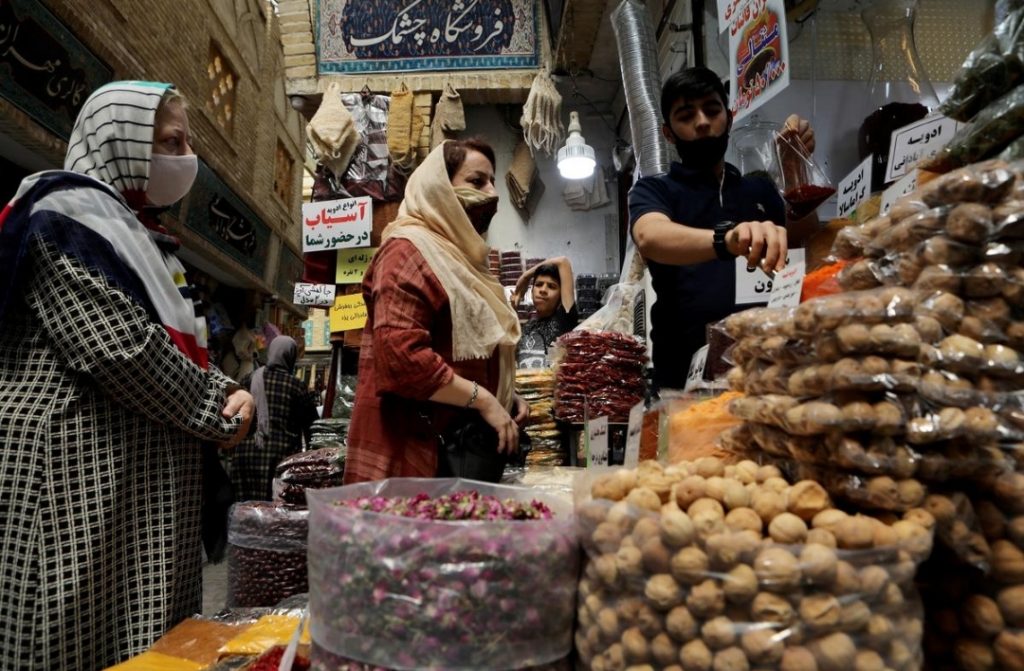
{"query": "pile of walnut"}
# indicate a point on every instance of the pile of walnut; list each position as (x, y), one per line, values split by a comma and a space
(905, 392)
(865, 393)
(703, 566)
(975, 612)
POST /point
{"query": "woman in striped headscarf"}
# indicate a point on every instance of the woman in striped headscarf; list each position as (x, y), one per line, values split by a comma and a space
(105, 393)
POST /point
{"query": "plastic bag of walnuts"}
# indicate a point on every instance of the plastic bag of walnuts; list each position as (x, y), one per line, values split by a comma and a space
(266, 553)
(704, 566)
(976, 612)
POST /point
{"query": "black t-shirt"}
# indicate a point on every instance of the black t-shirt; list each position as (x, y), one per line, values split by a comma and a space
(691, 297)
(539, 334)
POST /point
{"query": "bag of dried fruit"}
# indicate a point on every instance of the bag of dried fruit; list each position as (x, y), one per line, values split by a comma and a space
(441, 573)
(266, 553)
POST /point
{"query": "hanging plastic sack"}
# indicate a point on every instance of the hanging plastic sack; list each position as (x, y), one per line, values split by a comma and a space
(441, 589)
(994, 67)
(992, 130)
(804, 184)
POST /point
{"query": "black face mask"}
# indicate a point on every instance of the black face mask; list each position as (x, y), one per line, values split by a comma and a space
(703, 153)
(481, 215)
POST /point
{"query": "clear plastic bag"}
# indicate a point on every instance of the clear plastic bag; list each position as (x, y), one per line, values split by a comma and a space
(266, 553)
(994, 67)
(731, 567)
(312, 469)
(617, 311)
(406, 593)
(804, 184)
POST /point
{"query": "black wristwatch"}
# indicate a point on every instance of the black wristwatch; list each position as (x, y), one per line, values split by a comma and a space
(718, 241)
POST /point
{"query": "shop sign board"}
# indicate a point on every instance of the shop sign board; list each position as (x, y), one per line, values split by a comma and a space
(906, 184)
(597, 442)
(758, 55)
(354, 37)
(337, 224)
(314, 294)
(855, 188)
(916, 142)
(47, 72)
(352, 264)
(348, 313)
(222, 218)
(755, 285)
(789, 282)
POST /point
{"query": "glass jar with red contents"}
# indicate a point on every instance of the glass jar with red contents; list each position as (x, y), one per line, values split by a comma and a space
(898, 90)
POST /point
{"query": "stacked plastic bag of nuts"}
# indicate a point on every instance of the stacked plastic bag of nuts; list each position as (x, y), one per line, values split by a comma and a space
(702, 565)
(905, 392)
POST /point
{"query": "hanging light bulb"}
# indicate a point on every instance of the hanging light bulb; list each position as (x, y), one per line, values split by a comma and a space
(576, 158)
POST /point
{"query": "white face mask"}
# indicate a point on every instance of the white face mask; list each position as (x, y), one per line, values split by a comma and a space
(170, 178)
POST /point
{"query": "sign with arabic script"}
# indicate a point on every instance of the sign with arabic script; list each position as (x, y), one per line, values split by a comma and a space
(916, 142)
(337, 224)
(755, 286)
(406, 35)
(906, 185)
(314, 294)
(758, 55)
(352, 264)
(44, 70)
(854, 189)
(348, 313)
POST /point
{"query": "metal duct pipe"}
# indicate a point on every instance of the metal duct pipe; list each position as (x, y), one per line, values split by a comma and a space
(638, 57)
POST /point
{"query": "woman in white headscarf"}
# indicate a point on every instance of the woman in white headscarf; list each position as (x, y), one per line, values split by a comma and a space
(105, 393)
(285, 409)
(439, 344)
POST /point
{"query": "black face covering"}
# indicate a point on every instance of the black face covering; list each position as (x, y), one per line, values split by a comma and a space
(481, 215)
(703, 153)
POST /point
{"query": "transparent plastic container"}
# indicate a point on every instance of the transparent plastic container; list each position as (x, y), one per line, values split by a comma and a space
(898, 90)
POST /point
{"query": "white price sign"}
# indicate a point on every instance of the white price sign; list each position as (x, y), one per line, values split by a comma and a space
(906, 185)
(854, 188)
(916, 142)
(789, 282)
(597, 442)
(314, 294)
(695, 375)
(633, 432)
(337, 224)
(755, 286)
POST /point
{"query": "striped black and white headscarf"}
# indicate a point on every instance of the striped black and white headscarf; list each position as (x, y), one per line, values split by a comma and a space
(112, 140)
(91, 212)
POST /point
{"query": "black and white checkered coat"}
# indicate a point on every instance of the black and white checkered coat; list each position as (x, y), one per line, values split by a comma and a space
(100, 422)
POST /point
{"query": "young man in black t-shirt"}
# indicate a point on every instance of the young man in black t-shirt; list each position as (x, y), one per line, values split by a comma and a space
(693, 222)
(554, 298)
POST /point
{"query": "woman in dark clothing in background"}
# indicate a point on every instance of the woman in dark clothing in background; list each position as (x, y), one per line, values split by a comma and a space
(285, 410)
